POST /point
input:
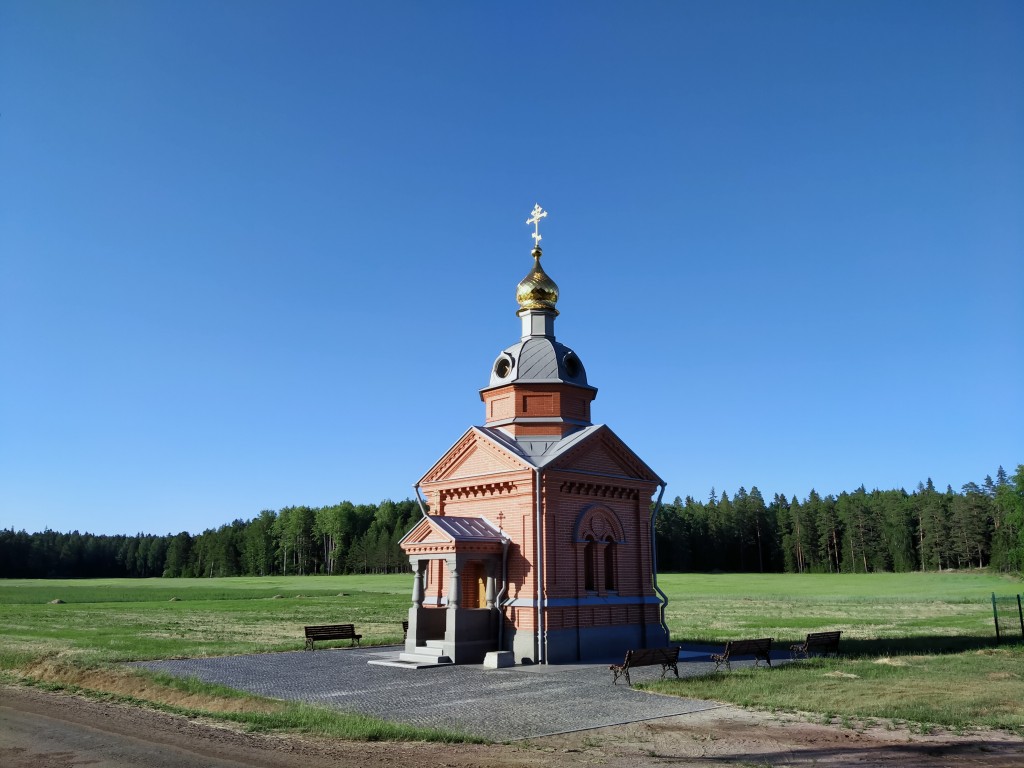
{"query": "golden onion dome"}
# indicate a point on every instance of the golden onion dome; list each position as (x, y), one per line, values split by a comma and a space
(537, 290)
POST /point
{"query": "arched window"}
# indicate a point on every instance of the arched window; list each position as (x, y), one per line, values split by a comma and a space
(599, 531)
(589, 569)
(609, 565)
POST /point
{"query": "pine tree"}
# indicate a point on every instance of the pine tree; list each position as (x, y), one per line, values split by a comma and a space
(764, 528)
(724, 533)
(969, 513)
(857, 518)
(828, 527)
(1009, 504)
(933, 527)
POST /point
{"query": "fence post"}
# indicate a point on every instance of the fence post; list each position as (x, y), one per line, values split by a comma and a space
(1020, 615)
(995, 616)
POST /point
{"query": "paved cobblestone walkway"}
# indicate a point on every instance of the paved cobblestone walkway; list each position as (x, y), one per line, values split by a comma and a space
(498, 704)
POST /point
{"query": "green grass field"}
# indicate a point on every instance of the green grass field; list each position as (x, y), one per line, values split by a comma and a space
(876, 612)
(134, 619)
(917, 647)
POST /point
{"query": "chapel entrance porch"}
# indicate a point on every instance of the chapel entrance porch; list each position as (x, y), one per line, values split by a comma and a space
(457, 576)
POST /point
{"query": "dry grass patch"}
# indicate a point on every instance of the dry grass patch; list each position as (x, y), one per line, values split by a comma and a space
(124, 682)
(1003, 676)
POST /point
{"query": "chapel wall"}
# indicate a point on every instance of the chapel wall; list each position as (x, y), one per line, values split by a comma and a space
(507, 501)
(564, 556)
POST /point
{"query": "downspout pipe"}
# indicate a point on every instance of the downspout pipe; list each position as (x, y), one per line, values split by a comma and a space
(419, 500)
(541, 654)
(654, 562)
(501, 595)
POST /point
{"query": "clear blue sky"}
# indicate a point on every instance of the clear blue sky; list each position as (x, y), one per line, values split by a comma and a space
(255, 254)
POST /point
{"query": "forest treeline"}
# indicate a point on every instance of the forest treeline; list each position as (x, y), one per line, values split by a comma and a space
(855, 532)
(858, 532)
(341, 538)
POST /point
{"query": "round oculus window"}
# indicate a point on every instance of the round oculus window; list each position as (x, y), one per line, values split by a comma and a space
(572, 365)
(503, 367)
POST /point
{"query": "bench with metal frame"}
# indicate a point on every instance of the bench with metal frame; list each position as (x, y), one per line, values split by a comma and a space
(760, 649)
(668, 658)
(331, 632)
(824, 643)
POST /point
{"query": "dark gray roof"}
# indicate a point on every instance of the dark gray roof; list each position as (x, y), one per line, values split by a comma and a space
(538, 359)
(539, 451)
(467, 528)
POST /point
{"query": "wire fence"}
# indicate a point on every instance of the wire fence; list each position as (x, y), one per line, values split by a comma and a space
(1008, 615)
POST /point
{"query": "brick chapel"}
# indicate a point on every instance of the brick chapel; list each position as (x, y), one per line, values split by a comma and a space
(537, 540)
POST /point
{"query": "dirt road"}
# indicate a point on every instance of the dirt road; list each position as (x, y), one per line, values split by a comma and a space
(47, 730)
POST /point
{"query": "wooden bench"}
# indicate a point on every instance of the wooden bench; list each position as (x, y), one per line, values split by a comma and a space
(331, 632)
(405, 629)
(647, 657)
(759, 649)
(825, 643)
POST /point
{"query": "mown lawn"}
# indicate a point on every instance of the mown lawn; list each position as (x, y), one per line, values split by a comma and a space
(135, 619)
(917, 647)
(77, 644)
(944, 610)
(956, 690)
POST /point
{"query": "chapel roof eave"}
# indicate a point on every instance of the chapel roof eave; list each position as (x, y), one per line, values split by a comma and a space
(541, 453)
(530, 382)
(640, 462)
(548, 452)
(516, 455)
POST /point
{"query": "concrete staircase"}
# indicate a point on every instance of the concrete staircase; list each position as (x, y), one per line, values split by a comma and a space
(429, 655)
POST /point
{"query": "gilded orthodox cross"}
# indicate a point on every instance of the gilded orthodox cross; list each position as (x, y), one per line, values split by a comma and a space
(538, 214)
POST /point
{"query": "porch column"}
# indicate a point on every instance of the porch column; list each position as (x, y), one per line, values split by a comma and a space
(415, 633)
(417, 584)
(454, 587)
(490, 590)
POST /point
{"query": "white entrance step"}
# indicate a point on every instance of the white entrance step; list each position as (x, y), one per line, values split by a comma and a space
(430, 654)
(431, 657)
(426, 656)
(433, 649)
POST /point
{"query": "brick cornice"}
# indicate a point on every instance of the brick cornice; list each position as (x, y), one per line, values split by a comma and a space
(476, 490)
(598, 489)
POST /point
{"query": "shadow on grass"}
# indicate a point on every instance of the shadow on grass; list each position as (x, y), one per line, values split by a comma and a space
(891, 646)
(986, 751)
(923, 644)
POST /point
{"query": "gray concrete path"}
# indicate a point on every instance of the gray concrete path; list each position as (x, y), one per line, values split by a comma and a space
(497, 704)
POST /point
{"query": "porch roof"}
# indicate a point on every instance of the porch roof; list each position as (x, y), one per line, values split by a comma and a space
(440, 534)
(467, 528)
